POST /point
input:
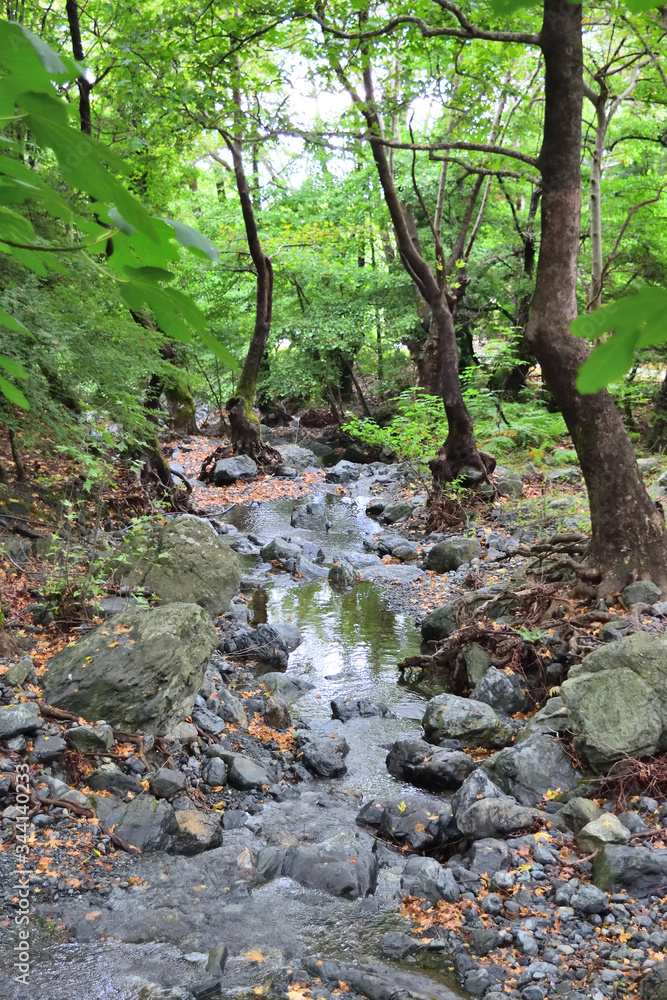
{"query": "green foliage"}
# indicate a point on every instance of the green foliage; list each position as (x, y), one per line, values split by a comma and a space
(637, 321)
(143, 247)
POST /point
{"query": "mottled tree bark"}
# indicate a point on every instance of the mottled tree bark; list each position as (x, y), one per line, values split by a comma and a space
(629, 536)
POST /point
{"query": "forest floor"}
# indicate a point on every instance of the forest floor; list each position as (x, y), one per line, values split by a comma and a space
(518, 914)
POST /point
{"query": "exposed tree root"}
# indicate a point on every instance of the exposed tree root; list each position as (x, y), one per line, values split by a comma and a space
(629, 777)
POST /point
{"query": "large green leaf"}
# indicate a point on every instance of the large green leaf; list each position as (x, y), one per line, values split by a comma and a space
(12, 323)
(14, 395)
(636, 321)
(12, 367)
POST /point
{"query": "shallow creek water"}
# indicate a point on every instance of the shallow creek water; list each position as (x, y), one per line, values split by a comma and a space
(145, 942)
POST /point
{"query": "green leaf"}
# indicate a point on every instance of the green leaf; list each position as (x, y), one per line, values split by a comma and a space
(13, 394)
(194, 240)
(637, 321)
(12, 323)
(120, 223)
(219, 350)
(13, 367)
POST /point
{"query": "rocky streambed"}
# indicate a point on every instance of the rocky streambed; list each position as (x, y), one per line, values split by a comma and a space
(308, 826)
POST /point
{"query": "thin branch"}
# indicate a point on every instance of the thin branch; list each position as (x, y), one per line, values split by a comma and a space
(468, 30)
(621, 234)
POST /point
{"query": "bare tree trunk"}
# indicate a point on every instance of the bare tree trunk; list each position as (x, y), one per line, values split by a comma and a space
(85, 86)
(628, 531)
(245, 429)
(459, 452)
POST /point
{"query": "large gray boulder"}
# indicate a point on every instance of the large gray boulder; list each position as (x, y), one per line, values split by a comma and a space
(640, 871)
(140, 670)
(279, 550)
(428, 766)
(616, 700)
(472, 722)
(343, 472)
(148, 824)
(482, 810)
(505, 692)
(18, 719)
(264, 643)
(296, 457)
(228, 470)
(427, 879)
(348, 871)
(185, 562)
(531, 769)
(452, 553)
(311, 517)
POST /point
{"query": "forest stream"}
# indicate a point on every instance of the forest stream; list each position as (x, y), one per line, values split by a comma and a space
(153, 941)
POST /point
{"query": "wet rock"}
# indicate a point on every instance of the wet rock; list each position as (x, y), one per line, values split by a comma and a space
(323, 757)
(146, 678)
(640, 871)
(654, 984)
(411, 821)
(375, 508)
(348, 871)
(239, 611)
(290, 634)
(17, 719)
(342, 574)
(577, 812)
(89, 739)
(46, 749)
(197, 832)
(393, 944)
(229, 470)
(207, 721)
(606, 829)
(229, 707)
(279, 550)
(477, 661)
(148, 824)
(186, 563)
(18, 673)
(165, 783)
(311, 517)
(397, 510)
(298, 458)
(246, 774)
(472, 722)
(276, 713)
(641, 592)
(616, 699)
(489, 855)
(427, 879)
(264, 643)
(529, 770)
(589, 899)
(482, 810)
(551, 719)
(287, 688)
(108, 778)
(116, 605)
(504, 692)
(428, 766)
(452, 553)
(343, 472)
(359, 708)
(405, 552)
(215, 772)
(310, 571)
(439, 624)
(184, 733)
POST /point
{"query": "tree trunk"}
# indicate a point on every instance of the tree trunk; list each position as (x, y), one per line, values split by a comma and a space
(628, 531)
(16, 455)
(459, 450)
(84, 85)
(245, 431)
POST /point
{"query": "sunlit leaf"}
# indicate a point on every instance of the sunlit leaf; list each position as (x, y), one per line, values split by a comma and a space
(13, 394)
